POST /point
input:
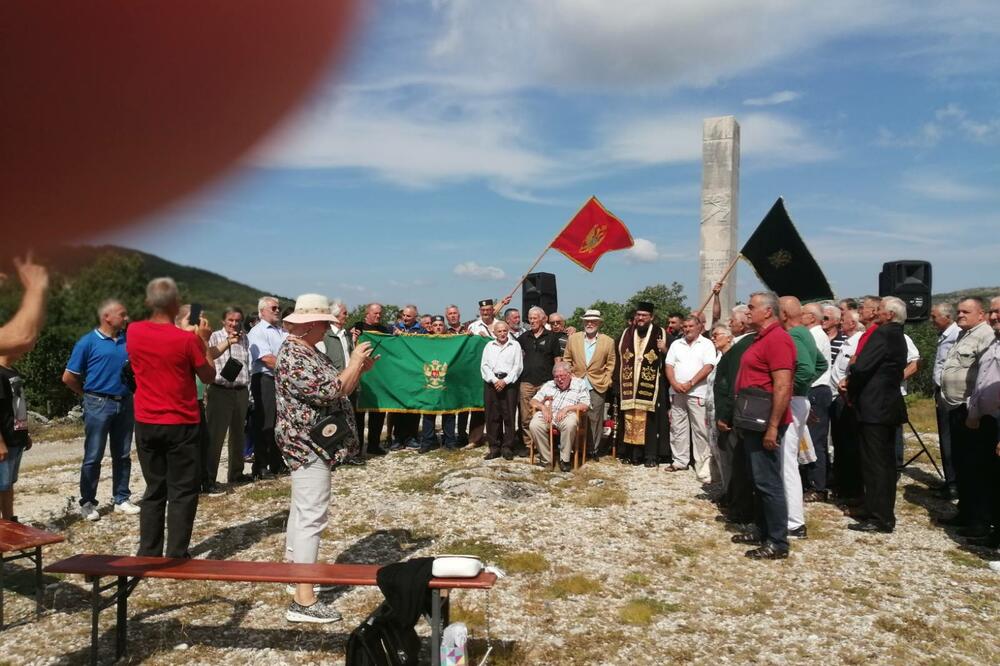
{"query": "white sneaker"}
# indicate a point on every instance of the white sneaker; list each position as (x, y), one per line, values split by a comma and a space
(316, 588)
(89, 512)
(127, 507)
(319, 612)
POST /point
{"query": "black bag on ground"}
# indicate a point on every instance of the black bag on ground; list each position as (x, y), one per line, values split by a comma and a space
(753, 409)
(378, 641)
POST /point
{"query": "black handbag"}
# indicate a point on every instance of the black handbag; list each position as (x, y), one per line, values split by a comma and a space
(753, 409)
(378, 641)
(231, 370)
(329, 434)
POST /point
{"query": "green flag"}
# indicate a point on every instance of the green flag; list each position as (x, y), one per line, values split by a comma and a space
(431, 374)
(782, 260)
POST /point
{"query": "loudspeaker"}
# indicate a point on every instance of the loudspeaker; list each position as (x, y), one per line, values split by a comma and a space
(910, 281)
(539, 289)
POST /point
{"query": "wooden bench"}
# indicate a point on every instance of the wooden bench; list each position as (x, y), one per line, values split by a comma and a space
(130, 570)
(25, 542)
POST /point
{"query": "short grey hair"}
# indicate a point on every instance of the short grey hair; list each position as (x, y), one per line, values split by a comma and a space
(232, 309)
(897, 307)
(740, 310)
(770, 300)
(337, 307)
(833, 312)
(106, 305)
(871, 299)
(945, 309)
(538, 309)
(161, 293)
(560, 365)
(410, 306)
(264, 301)
(722, 328)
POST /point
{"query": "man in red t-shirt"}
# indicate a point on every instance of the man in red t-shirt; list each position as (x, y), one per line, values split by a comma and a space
(165, 360)
(768, 364)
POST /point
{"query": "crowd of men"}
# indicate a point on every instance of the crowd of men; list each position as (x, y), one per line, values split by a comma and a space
(750, 406)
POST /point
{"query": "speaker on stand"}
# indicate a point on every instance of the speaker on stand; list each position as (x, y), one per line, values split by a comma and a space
(909, 281)
(539, 289)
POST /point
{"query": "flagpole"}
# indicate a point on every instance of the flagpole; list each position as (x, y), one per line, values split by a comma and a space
(720, 280)
(527, 272)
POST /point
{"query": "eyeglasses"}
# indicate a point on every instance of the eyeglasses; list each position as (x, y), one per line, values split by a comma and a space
(555, 321)
(274, 308)
(827, 318)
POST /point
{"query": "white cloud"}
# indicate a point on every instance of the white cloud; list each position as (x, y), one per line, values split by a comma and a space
(782, 97)
(950, 120)
(644, 251)
(941, 187)
(474, 271)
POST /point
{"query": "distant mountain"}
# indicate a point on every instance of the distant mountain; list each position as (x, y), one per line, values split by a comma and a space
(215, 292)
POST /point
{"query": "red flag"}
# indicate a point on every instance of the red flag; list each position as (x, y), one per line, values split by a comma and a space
(592, 232)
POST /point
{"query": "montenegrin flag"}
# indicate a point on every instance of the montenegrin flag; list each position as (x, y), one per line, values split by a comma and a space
(592, 232)
(429, 374)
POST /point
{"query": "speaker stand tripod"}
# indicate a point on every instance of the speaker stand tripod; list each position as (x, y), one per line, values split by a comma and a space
(923, 451)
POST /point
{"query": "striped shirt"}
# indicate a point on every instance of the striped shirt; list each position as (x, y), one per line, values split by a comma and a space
(576, 393)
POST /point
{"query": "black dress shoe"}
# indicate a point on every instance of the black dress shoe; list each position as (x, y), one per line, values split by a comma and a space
(357, 461)
(565, 466)
(377, 451)
(492, 455)
(767, 552)
(870, 526)
(947, 492)
(508, 455)
(747, 538)
(814, 496)
(954, 521)
(973, 532)
(798, 533)
(594, 457)
(991, 541)
(263, 476)
(242, 478)
(652, 463)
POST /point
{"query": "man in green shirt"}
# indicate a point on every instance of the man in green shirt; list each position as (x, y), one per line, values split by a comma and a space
(737, 497)
(809, 365)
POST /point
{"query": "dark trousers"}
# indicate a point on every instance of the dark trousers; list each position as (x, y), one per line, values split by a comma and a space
(265, 412)
(944, 441)
(375, 422)
(770, 508)
(169, 456)
(878, 471)
(974, 456)
(462, 429)
(846, 446)
(816, 476)
(204, 450)
(501, 407)
(477, 427)
(739, 494)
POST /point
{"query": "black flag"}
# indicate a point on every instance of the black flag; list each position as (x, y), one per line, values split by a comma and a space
(782, 261)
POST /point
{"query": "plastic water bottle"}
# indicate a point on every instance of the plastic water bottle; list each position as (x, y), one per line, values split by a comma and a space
(453, 641)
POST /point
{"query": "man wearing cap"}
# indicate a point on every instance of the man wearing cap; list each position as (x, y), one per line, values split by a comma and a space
(487, 310)
(591, 356)
(541, 350)
(500, 368)
(638, 373)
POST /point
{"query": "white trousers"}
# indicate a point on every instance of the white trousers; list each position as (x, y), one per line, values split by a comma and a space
(567, 428)
(689, 430)
(790, 461)
(307, 517)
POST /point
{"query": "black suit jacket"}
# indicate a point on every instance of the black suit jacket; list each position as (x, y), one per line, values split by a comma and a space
(873, 383)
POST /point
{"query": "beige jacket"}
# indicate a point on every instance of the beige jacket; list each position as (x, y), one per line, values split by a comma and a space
(600, 371)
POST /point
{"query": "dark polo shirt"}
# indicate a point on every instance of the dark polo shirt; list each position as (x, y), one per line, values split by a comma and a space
(540, 354)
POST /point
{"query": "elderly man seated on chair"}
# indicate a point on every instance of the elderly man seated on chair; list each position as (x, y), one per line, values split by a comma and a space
(560, 403)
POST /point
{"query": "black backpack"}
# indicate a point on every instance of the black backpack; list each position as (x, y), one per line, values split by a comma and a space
(378, 641)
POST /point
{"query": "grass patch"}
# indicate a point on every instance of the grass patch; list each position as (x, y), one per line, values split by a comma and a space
(636, 579)
(472, 617)
(641, 611)
(685, 550)
(569, 586)
(523, 562)
(268, 492)
(963, 559)
(908, 628)
(421, 483)
(57, 432)
(758, 603)
(922, 413)
(485, 550)
(601, 496)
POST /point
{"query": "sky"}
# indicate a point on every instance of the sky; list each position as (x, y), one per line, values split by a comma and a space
(460, 136)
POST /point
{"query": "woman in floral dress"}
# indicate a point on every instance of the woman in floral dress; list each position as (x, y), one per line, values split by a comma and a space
(308, 389)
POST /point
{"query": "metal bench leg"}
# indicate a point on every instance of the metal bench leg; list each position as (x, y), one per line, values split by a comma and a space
(38, 581)
(95, 612)
(436, 602)
(121, 628)
(2, 562)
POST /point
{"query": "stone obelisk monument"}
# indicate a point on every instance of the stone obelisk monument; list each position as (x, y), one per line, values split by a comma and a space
(720, 195)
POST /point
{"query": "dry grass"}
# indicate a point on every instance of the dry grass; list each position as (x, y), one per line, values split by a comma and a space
(636, 579)
(573, 585)
(964, 559)
(57, 432)
(642, 610)
(923, 414)
(420, 483)
(523, 562)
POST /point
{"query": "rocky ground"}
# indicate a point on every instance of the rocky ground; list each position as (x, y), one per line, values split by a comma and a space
(609, 565)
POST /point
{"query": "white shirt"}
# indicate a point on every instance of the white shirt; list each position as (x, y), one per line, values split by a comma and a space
(840, 364)
(576, 393)
(687, 360)
(823, 344)
(479, 327)
(342, 336)
(500, 358)
(912, 354)
(946, 340)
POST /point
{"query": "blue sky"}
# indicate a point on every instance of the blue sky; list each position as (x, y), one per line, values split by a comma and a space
(461, 136)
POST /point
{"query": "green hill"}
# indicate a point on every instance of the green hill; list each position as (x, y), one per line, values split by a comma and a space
(985, 293)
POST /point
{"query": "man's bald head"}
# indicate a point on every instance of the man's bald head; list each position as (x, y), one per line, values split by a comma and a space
(814, 310)
(791, 308)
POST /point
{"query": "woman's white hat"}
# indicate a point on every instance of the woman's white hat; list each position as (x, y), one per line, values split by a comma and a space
(310, 307)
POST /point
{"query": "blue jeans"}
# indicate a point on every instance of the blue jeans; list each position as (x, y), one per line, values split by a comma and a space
(448, 437)
(105, 419)
(770, 508)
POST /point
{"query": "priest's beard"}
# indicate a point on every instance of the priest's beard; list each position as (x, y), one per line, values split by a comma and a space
(642, 330)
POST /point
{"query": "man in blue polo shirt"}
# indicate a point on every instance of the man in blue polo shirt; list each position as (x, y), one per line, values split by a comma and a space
(94, 372)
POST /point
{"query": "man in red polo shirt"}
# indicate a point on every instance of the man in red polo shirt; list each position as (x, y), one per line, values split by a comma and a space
(165, 360)
(768, 364)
